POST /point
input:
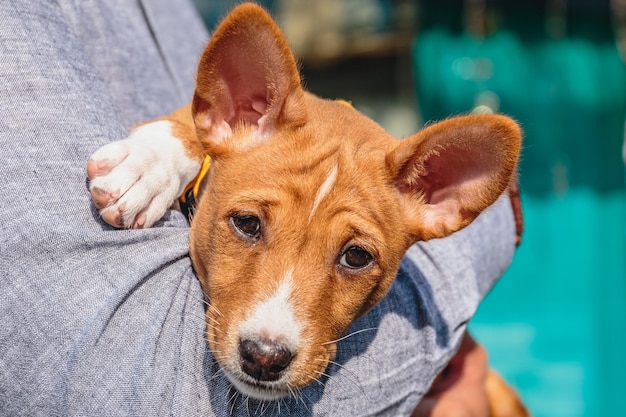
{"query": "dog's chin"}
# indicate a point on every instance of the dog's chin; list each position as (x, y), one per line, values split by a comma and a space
(265, 391)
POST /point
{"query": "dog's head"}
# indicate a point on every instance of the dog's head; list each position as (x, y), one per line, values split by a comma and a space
(310, 205)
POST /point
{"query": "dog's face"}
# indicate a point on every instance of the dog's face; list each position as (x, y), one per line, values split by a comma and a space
(309, 205)
(294, 239)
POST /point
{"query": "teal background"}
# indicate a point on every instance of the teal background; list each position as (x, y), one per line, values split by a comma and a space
(555, 325)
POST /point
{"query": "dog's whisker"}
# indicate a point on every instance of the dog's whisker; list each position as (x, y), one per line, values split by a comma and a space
(232, 400)
(213, 342)
(259, 406)
(350, 335)
(209, 331)
(304, 401)
(210, 317)
(337, 364)
(327, 362)
(201, 300)
(220, 373)
(221, 357)
(320, 373)
(274, 405)
(346, 373)
(214, 324)
(324, 375)
(246, 403)
(215, 327)
(217, 351)
(265, 407)
(217, 310)
(317, 380)
(218, 354)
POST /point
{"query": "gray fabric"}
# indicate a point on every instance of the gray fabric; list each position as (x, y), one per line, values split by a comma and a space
(101, 322)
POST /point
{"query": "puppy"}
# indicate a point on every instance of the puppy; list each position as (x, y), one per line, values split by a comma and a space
(308, 206)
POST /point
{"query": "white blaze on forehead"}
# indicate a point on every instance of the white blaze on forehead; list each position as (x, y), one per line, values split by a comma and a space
(274, 317)
(324, 189)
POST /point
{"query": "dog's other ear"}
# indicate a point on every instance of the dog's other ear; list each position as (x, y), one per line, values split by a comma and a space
(247, 76)
(451, 171)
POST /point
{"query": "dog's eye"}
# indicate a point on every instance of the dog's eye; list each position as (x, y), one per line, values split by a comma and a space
(355, 258)
(248, 227)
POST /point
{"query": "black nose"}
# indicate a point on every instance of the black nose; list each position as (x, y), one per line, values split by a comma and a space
(263, 359)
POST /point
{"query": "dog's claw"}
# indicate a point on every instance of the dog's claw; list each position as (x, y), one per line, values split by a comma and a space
(114, 215)
(102, 199)
(98, 168)
(140, 221)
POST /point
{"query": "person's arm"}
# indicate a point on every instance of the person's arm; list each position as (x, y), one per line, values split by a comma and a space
(96, 321)
(93, 321)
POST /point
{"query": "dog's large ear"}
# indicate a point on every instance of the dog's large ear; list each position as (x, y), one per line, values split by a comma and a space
(247, 76)
(451, 171)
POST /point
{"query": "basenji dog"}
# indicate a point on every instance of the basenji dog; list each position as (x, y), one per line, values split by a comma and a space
(308, 206)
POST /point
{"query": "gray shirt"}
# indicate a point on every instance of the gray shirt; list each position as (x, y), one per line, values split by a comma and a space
(96, 321)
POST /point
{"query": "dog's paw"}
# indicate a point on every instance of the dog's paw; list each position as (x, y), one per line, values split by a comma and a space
(134, 181)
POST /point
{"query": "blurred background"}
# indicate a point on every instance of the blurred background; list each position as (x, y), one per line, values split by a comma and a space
(555, 325)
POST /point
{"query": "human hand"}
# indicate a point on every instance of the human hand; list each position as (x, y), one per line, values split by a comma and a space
(459, 390)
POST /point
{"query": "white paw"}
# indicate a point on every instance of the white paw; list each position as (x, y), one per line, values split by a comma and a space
(134, 181)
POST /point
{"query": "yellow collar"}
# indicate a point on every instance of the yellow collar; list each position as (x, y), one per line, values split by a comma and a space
(189, 197)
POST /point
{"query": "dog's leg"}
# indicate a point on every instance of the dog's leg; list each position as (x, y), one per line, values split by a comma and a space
(468, 387)
(503, 400)
(134, 181)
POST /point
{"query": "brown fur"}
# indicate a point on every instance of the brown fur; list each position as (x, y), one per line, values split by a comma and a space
(502, 399)
(272, 145)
